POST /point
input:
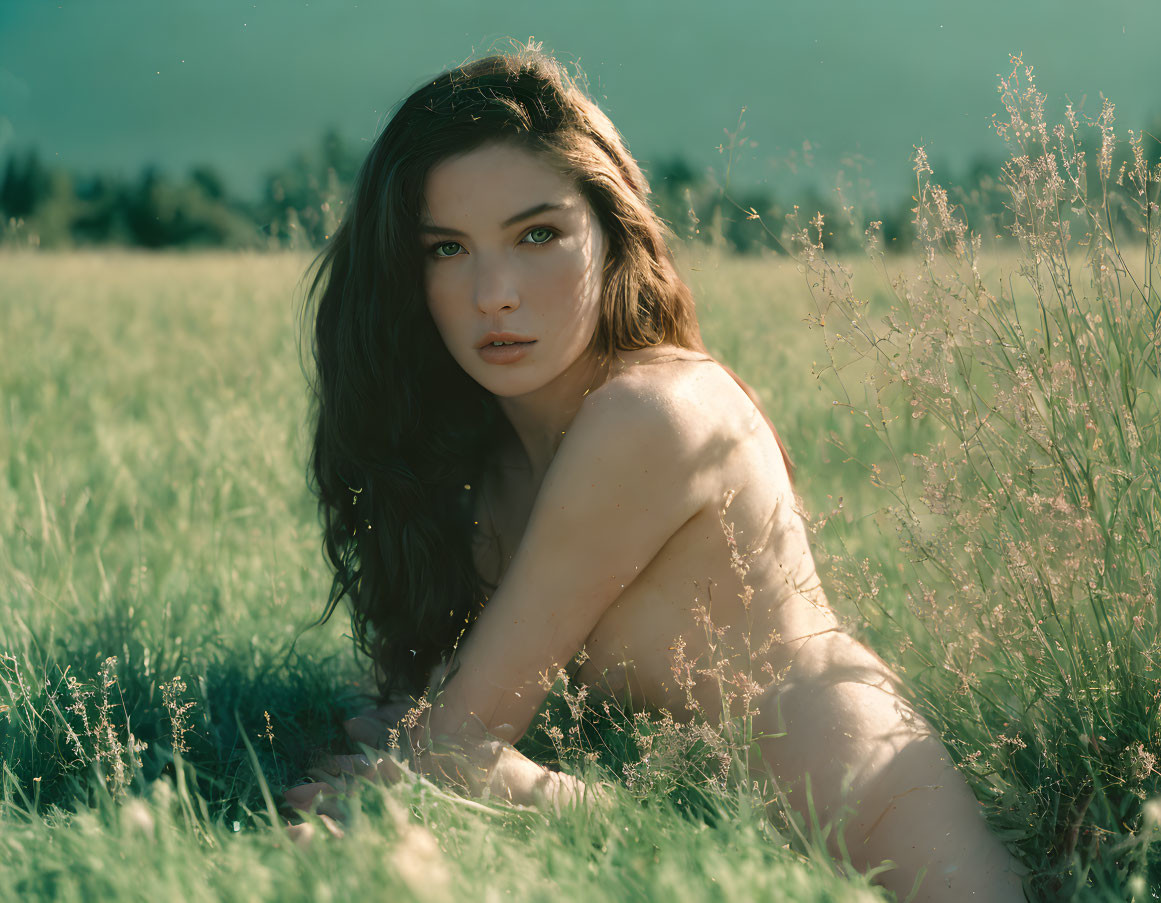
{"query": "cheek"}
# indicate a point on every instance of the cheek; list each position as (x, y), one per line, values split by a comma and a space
(575, 281)
(439, 293)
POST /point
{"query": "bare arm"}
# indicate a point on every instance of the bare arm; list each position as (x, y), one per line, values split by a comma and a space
(626, 477)
(486, 768)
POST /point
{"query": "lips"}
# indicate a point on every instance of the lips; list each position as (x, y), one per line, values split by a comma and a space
(504, 337)
(505, 354)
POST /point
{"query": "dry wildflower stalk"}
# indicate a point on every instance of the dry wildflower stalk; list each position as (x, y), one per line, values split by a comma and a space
(701, 748)
(727, 736)
(171, 696)
(99, 740)
(1029, 520)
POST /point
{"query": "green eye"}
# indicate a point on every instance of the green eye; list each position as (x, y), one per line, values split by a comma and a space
(444, 245)
(540, 235)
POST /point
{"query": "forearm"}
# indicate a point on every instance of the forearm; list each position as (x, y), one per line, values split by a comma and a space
(455, 747)
(494, 768)
(521, 781)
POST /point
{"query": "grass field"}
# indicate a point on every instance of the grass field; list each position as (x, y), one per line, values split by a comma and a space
(160, 564)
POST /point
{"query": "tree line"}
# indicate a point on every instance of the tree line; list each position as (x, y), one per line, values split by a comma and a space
(302, 201)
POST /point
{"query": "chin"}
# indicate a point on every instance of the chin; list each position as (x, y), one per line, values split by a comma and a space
(512, 381)
(512, 387)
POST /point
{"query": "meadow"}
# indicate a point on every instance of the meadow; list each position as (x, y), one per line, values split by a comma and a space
(161, 560)
(976, 434)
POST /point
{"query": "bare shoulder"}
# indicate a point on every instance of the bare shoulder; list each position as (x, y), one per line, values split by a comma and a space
(639, 416)
(690, 392)
(660, 364)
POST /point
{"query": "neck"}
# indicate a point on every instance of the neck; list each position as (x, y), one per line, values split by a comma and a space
(541, 418)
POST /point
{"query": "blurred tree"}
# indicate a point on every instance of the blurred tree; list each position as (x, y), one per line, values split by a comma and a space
(209, 181)
(100, 217)
(746, 228)
(304, 199)
(25, 185)
(160, 213)
(671, 180)
(671, 174)
(899, 226)
(53, 217)
(147, 213)
(979, 193)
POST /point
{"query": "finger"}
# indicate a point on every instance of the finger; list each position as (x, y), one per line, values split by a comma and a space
(332, 826)
(301, 835)
(319, 799)
(305, 797)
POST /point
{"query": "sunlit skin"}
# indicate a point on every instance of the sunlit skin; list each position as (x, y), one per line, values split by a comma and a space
(539, 276)
(606, 509)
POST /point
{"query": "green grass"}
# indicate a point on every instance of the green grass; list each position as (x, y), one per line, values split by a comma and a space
(154, 525)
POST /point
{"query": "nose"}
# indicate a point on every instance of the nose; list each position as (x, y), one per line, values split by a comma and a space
(496, 289)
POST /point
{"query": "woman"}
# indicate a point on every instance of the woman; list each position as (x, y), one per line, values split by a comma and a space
(523, 450)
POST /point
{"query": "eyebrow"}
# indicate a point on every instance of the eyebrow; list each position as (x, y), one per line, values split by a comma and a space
(510, 221)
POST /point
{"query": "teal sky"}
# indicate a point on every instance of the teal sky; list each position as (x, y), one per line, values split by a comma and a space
(112, 84)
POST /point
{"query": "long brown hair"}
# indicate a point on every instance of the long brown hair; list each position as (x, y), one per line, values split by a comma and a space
(400, 431)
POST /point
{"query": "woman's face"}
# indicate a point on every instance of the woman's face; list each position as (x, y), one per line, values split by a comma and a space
(510, 246)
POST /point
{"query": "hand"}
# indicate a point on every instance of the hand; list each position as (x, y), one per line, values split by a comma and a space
(375, 727)
(303, 833)
(487, 762)
(326, 795)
